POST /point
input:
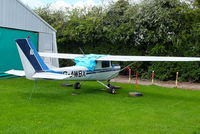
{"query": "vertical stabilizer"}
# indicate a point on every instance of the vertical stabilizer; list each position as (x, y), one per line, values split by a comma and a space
(31, 60)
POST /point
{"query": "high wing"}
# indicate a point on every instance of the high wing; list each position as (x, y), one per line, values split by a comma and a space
(60, 55)
(147, 58)
(47, 75)
(121, 58)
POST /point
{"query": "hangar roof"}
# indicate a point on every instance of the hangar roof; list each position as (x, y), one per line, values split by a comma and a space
(14, 14)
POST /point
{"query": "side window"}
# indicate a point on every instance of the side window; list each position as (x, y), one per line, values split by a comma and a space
(105, 64)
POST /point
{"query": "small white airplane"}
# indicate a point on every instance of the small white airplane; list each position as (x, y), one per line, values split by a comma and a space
(90, 67)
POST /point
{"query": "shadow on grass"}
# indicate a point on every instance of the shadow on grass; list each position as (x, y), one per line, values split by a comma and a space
(49, 96)
(61, 95)
(47, 92)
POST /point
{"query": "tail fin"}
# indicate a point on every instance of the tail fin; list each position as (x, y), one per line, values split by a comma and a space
(31, 60)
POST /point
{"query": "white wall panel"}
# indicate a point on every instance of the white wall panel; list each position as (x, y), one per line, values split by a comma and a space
(46, 41)
(47, 44)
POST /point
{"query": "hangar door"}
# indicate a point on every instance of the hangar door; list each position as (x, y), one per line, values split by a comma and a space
(9, 57)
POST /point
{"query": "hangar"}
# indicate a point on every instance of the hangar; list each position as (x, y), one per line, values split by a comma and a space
(19, 21)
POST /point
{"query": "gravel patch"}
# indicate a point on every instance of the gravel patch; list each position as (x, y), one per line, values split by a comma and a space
(169, 84)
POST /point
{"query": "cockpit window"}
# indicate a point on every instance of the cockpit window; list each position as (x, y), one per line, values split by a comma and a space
(105, 64)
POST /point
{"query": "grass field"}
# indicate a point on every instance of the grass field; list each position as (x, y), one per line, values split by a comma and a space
(52, 109)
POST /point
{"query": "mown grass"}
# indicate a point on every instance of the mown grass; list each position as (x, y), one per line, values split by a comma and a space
(52, 109)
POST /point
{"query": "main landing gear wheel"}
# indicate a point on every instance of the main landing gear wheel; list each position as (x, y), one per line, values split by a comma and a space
(77, 85)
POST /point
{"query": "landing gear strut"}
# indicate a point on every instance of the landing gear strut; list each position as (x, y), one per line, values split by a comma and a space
(111, 89)
(109, 85)
(77, 85)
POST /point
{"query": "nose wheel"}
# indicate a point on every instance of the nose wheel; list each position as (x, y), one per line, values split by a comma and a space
(111, 89)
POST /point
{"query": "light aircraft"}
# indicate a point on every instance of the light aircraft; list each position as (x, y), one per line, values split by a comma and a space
(89, 67)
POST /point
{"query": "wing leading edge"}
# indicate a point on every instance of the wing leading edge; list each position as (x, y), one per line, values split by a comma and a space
(60, 55)
(147, 58)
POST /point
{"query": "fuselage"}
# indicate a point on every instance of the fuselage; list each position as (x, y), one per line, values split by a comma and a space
(80, 73)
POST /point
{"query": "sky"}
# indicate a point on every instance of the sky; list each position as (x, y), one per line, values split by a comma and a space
(57, 4)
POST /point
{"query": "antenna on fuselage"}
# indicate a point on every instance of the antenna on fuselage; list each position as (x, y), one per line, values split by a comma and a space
(82, 51)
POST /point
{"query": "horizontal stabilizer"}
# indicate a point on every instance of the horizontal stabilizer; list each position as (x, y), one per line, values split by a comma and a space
(16, 72)
(53, 76)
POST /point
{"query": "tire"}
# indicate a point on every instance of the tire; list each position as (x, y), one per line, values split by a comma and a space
(112, 90)
(77, 85)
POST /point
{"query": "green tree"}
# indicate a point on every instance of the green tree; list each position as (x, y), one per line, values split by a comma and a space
(152, 27)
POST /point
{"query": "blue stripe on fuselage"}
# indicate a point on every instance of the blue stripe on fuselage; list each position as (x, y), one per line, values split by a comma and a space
(51, 71)
(101, 70)
(42, 64)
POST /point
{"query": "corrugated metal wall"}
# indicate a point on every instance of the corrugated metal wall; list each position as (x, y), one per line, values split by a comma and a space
(15, 15)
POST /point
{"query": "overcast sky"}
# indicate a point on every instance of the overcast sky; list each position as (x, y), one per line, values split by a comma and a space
(57, 4)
